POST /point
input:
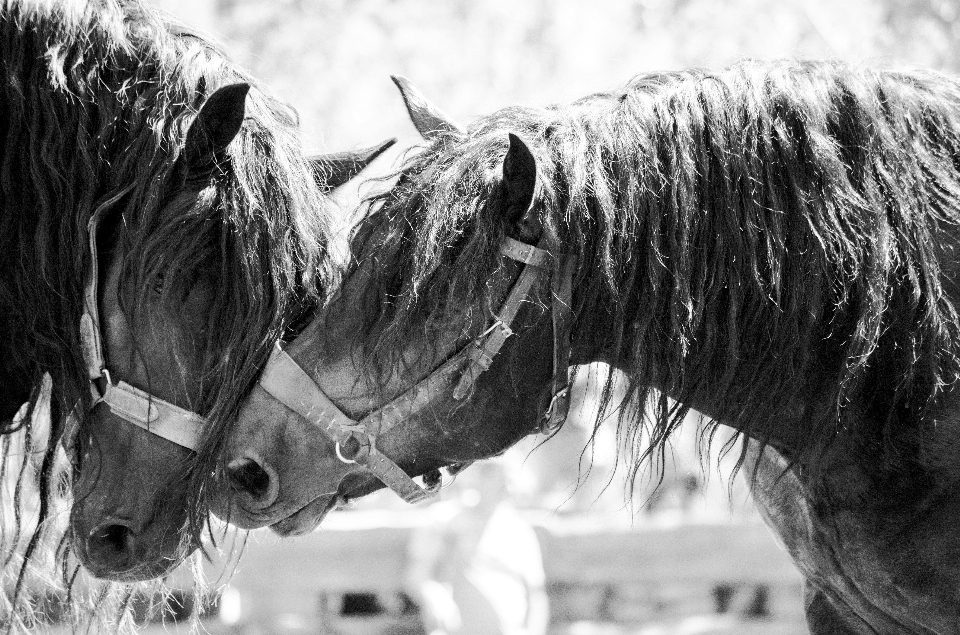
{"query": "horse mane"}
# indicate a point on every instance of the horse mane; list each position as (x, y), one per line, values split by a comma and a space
(773, 236)
(97, 95)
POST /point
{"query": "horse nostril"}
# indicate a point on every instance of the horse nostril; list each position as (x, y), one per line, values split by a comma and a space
(111, 545)
(253, 480)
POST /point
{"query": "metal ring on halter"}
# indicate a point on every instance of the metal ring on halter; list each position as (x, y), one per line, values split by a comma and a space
(343, 458)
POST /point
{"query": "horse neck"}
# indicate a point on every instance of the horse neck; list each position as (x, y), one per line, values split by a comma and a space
(747, 281)
(717, 372)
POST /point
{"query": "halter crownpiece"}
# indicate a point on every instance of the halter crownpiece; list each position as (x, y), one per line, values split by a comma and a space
(287, 382)
(133, 405)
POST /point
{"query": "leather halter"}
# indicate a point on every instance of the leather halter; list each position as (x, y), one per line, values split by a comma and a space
(287, 382)
(136, 406)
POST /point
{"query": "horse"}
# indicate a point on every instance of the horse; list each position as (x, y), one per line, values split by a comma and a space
(772, 244)
(160, 228)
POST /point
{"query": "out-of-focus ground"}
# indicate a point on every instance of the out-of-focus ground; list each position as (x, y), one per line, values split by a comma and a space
(728, 578)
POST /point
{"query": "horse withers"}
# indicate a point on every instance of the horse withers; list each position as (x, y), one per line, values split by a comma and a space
(162, 228)
(772, 244)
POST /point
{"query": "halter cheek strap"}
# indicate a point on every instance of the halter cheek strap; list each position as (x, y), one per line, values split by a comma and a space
(133, 405)
(562, 316)
(486, 347)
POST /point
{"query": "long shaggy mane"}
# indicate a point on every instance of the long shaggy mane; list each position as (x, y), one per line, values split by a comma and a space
(97, 95)
(772, 240)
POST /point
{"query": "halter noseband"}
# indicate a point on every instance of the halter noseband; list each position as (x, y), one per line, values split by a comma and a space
(136, 406)
(287, 382)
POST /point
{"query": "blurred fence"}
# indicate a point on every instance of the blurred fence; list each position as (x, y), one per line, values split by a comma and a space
(349, 578)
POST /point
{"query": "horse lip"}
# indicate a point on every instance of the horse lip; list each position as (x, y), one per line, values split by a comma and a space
(301, 522)
(137, 573)
(239, 516)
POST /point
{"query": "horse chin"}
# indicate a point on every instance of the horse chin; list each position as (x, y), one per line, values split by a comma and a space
(309, 517)
(141, 573)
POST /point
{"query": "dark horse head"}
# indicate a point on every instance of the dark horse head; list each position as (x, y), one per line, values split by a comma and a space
(773, 244)
(210, 238)
(456, 300)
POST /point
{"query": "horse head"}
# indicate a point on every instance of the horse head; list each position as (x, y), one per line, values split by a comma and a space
(396, 364)
(135, 451)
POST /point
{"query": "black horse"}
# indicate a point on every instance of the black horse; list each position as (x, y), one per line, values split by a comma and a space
(773, 244)
(210, 227)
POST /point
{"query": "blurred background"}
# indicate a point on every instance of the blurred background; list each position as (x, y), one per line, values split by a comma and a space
(553, 528)
(332, 58)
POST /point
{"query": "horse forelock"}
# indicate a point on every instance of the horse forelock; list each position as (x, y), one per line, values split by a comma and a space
(767, 236)
(262, 223)
(99, 95)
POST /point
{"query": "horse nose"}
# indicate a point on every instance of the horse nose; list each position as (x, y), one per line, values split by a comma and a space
(255, 482)
(110, 546)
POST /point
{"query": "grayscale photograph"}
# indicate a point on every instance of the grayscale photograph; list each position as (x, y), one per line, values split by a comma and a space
(477, 317)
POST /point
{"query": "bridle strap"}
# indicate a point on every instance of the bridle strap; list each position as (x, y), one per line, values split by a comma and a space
(133, 405)
(561, 284)
(154, 415)
(486, 348)
(91, 342)
(287, 382)
(562, 317)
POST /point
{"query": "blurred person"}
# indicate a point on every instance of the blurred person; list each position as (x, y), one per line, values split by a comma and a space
(478, 570)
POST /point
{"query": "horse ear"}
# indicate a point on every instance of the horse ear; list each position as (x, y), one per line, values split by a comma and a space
(520, 183)
(430, 121)
(335, 169)
(215, 126)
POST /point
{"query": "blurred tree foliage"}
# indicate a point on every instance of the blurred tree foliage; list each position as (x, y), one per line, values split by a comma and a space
(332, 58)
